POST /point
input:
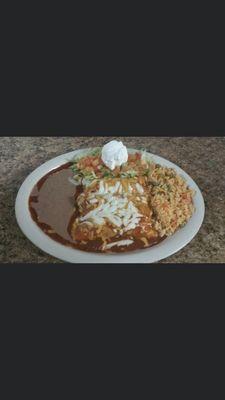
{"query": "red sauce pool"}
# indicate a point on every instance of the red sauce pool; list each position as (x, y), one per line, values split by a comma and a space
(52, 207)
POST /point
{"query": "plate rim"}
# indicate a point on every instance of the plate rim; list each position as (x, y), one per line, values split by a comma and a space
(168, 247)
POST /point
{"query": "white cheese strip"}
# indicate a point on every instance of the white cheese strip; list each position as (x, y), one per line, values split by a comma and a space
(113, 189)
(115, 220)
(134, 210)
(129, 227)
(126, 219)
(91, 213)
(119, 243)
(97, 220)
(93, 201)
(101, 188)
(132, 224)
(139, 188)
(121, 189)
(113, 208)
(122, 213)
(75, 183)
(87, 223)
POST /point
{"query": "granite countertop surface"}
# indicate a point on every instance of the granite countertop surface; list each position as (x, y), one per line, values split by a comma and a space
(203, 158)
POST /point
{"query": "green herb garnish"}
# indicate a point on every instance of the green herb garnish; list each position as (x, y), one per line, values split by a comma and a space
(108, 174)
(95, 152)
(146, 172)
(129, 174)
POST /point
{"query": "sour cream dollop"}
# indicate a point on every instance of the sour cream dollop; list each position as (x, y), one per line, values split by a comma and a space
(114, 154)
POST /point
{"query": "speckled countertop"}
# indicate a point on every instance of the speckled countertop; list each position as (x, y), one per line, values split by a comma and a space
(203, 158)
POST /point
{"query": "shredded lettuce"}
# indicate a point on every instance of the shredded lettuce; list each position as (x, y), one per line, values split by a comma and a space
(95, 152)
(87, 176)
(129, 174)
(108, 174)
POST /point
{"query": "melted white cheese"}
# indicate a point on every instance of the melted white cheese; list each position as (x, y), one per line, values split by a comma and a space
(119, 243)
(139, 188)
(120, 211)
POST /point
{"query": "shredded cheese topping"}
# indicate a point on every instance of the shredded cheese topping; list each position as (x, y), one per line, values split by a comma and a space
(117, 209)
(119, 243)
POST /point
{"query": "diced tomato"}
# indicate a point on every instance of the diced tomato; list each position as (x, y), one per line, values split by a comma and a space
(87, 161)
(138, 156)
(137, 231)
(81, 234)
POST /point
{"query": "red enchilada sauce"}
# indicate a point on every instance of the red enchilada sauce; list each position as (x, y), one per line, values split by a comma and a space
(52, 207)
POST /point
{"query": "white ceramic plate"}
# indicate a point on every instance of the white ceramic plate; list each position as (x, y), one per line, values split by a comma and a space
(162, 250)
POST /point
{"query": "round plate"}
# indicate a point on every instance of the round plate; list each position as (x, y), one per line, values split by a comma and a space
(162, 250)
